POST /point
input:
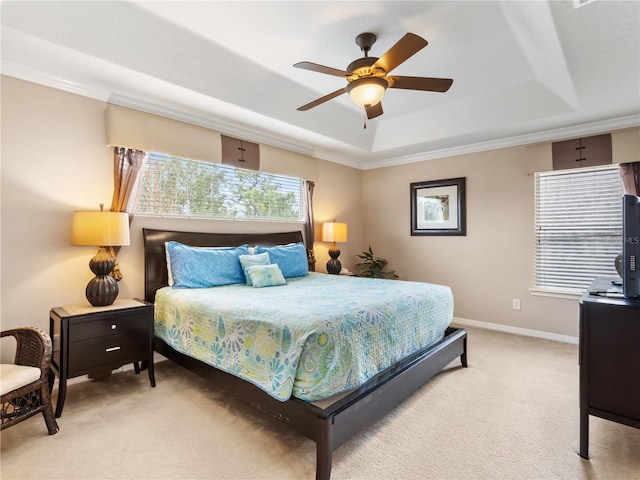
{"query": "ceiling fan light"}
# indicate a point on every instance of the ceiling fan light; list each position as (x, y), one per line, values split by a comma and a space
(367, 91)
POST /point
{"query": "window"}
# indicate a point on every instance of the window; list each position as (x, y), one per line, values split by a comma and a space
(173, 186)
(578, 226)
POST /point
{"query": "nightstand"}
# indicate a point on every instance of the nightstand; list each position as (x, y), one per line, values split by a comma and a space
(90, 339)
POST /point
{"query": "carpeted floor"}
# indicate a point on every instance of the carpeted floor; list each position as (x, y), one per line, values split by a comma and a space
(513, 414)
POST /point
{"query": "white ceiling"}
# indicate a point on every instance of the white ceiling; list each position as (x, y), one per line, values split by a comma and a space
(524, 71)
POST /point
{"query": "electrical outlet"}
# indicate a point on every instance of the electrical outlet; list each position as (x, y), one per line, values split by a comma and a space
(516, 304)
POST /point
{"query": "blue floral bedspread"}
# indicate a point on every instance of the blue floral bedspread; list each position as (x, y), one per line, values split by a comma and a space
(312, 338)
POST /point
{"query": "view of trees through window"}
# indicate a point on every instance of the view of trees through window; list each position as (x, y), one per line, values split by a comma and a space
(175, 186)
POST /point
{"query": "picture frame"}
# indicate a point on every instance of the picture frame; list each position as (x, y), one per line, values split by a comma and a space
(438, 207)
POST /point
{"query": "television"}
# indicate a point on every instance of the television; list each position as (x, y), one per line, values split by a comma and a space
(631, 246)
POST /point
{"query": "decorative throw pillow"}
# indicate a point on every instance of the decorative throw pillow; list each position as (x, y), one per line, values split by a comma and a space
(250, 260)
(266, 276)
(291, 258)
(202, 267)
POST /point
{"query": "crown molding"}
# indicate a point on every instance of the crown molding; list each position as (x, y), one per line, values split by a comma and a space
(564, 133)
(48, 79)
(199, 120)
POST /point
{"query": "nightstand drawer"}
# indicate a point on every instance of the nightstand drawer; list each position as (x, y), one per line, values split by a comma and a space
(113, 351)
(95, 328)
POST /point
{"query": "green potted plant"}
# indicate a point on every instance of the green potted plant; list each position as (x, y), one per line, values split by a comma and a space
(373, 267)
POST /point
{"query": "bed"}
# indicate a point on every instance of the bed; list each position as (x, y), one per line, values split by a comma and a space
(356, 396)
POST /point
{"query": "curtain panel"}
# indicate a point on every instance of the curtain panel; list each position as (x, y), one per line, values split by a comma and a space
(309, 230)
(630, 176)
(127, 165)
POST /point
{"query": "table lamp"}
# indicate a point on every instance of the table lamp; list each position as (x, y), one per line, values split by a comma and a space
(101, 229)
(334, 232)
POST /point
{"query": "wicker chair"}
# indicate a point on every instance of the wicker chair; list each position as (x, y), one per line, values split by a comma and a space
(24, 385)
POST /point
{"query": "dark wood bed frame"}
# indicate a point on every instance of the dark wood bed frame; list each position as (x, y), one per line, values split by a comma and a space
(330, 426)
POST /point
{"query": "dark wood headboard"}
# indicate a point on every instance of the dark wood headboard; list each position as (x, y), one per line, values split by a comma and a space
(155, 260)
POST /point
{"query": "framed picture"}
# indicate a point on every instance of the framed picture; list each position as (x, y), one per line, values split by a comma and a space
(438, 207)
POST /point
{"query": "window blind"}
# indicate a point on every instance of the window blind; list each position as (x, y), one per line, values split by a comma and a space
(578, 215)
(174, 186)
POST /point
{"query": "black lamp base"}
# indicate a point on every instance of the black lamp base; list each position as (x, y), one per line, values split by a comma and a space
(334, 266)
(103, 289)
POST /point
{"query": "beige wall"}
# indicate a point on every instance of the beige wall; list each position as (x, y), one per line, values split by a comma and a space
(55, 160)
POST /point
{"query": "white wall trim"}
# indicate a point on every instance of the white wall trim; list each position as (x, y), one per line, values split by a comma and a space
(562, 133)
(210, 123)
(47, 79)
(463, 322)
(570, 293)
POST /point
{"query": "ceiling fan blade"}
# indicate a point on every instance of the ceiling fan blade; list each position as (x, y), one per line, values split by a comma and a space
(420, 83)
(406, 47)
(321, 100)
(374, 110)
(314, 67)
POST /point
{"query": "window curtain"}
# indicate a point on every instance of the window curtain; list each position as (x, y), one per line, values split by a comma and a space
(630, 176)
(309, 231)
(127, 163)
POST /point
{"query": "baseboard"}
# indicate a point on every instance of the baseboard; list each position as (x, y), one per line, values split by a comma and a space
(463, 322)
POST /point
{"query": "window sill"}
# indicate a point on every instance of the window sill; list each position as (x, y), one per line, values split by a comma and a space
(568, 293)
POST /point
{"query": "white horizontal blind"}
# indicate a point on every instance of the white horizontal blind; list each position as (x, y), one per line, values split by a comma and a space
(578, 226)
(179, 187)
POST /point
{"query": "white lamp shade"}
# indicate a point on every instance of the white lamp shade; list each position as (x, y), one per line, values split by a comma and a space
(100, 229)
(334, 232)
(367, 91)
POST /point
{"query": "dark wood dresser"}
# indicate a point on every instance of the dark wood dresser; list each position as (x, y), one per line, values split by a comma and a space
(609, 358)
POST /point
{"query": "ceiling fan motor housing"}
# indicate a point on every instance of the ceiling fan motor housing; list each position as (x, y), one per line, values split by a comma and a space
(362, 67)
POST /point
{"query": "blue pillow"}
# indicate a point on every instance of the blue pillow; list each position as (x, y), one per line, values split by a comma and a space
(250, 260)
(291, 258)
(265, 276)
(202, 267)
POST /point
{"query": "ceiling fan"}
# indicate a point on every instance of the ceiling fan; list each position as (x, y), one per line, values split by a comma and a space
(368, 78)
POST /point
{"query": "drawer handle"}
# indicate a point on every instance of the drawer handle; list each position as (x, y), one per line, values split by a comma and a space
(112, 349)
(114, 326)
